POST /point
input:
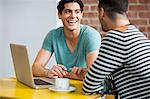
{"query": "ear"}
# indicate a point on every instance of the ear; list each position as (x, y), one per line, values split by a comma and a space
(59, 15)
(101, 12)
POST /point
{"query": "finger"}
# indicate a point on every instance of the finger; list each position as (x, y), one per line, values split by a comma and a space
(53, 70)
(58, 72)
(62, 66)
(58, 68)
(74, 70)
(54, 73)
(79, 70)
(84, 70)
(64, 73)
(61, 71)
(67, 75)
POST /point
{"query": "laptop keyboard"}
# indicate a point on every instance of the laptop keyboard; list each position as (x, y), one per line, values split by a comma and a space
(41, 82)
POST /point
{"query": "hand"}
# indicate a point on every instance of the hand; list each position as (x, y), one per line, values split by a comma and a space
(71, 75)
(77, 73)
(57, 70)
(79, 70)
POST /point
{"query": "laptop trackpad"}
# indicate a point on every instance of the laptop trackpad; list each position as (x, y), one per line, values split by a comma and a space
(41, 82)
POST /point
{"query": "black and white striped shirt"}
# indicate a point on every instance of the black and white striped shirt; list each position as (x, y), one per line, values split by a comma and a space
(128, 50)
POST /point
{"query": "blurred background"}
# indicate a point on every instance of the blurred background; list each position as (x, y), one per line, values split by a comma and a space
(24, 22)
(28, 21)
(138, 13)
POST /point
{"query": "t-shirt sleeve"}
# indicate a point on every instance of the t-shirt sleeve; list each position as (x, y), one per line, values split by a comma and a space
(48, 42)
(93, 40)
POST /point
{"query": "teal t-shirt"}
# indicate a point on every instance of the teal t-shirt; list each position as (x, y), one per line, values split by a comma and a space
(89, 40)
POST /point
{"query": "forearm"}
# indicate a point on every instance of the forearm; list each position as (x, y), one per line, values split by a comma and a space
(92, 84)
(40, 62)
(39, 70)
(94, 78)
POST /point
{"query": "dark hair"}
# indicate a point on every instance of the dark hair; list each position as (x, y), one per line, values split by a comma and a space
(114, 6)
(61, 4)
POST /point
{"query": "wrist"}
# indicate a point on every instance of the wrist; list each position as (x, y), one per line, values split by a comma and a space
(48, 73)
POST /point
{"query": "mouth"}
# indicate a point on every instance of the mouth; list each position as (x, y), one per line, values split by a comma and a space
(72, 22)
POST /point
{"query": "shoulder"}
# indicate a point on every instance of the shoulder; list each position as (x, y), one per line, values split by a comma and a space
(114, 38)
(88, 28)
(115, 33)
(55, 32)
(89, 32)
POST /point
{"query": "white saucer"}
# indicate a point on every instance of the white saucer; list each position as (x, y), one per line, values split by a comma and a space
(70, 89)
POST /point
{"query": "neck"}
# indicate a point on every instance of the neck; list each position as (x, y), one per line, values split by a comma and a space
(120, 21)
(72, 38)
(72, 43)
(72, 35)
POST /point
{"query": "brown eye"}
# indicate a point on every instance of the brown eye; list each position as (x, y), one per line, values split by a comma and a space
(67, 11)
(77, 11)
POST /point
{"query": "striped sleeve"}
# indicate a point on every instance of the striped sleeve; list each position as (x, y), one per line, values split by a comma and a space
(111, 57)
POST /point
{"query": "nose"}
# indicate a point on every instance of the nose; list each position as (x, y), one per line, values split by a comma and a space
(73, 14)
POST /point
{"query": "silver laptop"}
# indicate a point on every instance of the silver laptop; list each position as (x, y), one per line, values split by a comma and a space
(23, 69)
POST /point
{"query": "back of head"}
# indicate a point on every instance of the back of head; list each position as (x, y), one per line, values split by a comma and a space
(114, 6)
(61, 4)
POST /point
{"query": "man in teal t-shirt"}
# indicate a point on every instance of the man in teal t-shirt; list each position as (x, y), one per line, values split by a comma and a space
(75, 45)
(87, 42)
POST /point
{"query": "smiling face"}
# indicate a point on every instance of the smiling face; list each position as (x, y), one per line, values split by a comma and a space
(71, 16)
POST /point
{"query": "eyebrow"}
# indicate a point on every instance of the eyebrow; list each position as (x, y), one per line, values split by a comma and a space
(73, 9)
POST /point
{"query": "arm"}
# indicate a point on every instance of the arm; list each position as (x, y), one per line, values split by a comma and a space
(40, 62)
(44, 56)
(108, 60)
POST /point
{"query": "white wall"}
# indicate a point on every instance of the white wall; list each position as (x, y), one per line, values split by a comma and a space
(24, 22)
(1, 37)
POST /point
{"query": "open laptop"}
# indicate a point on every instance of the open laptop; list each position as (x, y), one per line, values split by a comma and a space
(23, 69)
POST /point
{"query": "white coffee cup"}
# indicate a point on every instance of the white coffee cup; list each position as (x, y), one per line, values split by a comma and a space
(62, 83)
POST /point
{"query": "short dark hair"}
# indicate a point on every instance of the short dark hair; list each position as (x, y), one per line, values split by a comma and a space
(60, 6)
(114, 6)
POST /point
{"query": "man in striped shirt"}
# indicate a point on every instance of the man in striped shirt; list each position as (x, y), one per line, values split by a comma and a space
(124, 54)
